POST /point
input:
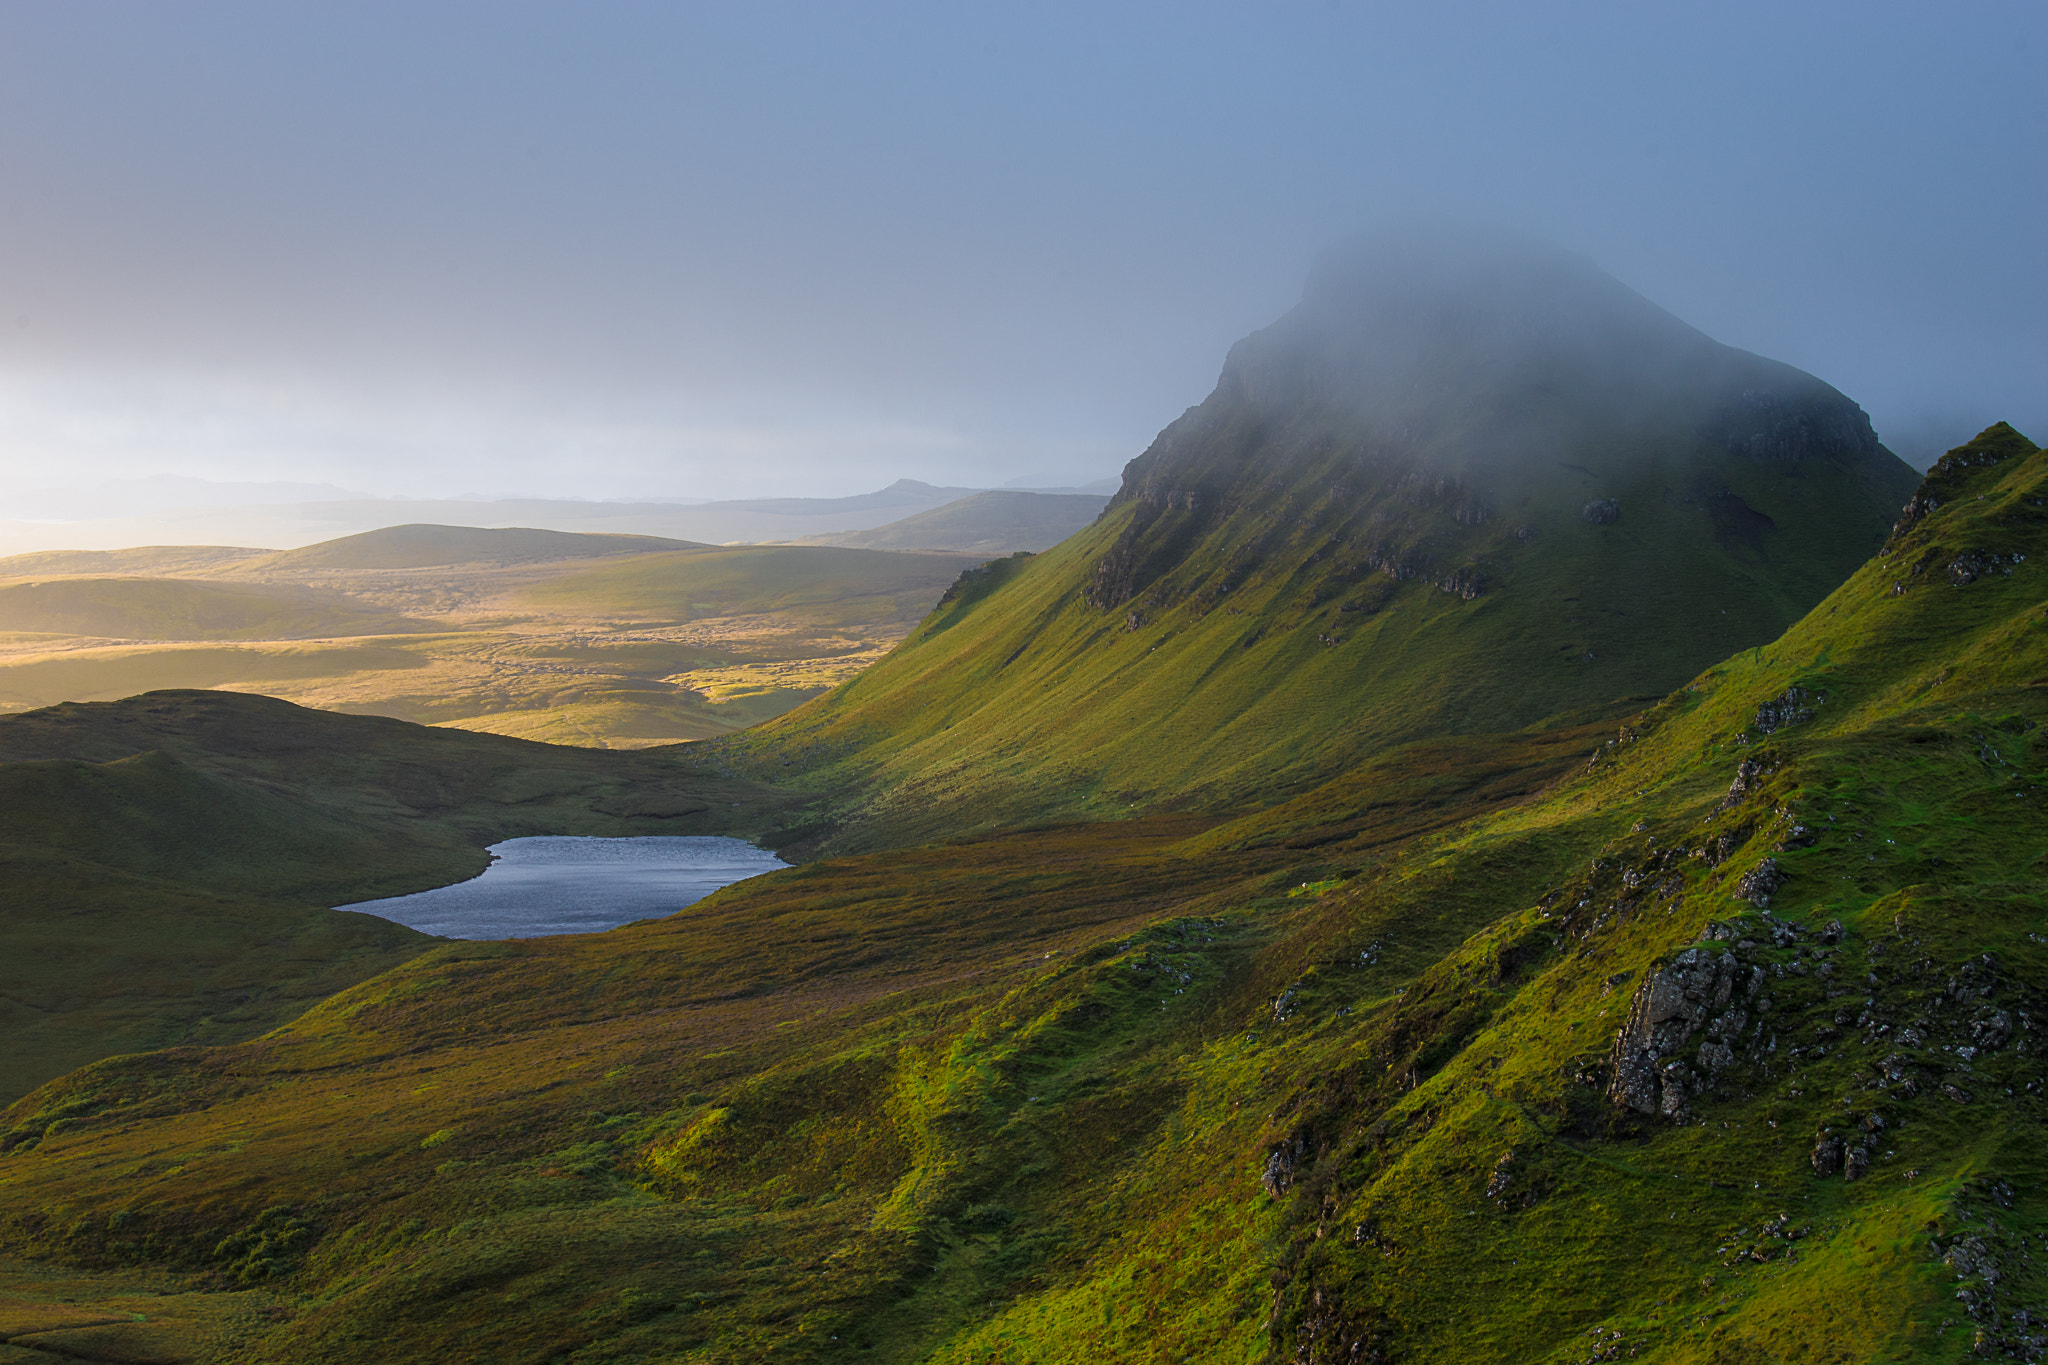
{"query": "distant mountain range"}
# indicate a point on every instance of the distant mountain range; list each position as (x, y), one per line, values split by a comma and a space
(1001, 521)
(283, 524)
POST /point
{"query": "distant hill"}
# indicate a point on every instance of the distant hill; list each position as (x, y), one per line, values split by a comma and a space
(1468, 484)
(182, 609)
(421, 546)
(998, 522)
(292, 525)
(142, 559)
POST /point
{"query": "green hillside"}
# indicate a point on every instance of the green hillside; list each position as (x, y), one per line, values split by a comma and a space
(1415, 506)
(998, 522)
(423, 546)
(183, 609)
(1708, 1042)
(168, 858)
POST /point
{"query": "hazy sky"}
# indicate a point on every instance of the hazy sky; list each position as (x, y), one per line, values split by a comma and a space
(611, 249)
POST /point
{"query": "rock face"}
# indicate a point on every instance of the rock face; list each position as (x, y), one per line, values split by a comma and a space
(1700, 991)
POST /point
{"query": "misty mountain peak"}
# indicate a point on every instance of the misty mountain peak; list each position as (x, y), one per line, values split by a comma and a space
(1479, 351)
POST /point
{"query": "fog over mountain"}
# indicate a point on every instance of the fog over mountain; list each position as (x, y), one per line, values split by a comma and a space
(718, 252)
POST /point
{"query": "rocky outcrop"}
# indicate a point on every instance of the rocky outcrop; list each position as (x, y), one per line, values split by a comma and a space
(1697, 992)
(1602, 511)
(1793, 706)
(1761, 882)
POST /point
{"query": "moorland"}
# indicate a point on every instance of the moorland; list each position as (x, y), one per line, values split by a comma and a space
(1517, 837)
(613, 641)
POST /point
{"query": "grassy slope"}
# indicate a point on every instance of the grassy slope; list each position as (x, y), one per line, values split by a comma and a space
(168, 859)
(1013, 1100)
(1018, 699)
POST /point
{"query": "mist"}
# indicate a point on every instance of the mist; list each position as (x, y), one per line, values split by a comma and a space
(455, 250)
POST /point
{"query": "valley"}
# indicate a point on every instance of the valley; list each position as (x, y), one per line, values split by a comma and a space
(577, 640)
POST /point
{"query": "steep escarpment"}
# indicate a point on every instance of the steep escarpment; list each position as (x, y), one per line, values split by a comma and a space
(1465, 486)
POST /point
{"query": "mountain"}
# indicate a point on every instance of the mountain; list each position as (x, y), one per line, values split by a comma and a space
(1466, 485)
(1706, 1041)
(292, 525)
(998, 522)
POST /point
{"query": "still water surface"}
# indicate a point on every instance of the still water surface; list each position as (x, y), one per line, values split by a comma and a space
(565, 884)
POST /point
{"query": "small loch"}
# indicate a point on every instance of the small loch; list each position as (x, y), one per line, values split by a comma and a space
(567, 884)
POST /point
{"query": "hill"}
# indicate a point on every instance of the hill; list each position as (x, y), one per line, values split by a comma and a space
(1463, 487)
(423, 547)
(305, 523)
(169, 857)
(998, 522)
(1709, 1042)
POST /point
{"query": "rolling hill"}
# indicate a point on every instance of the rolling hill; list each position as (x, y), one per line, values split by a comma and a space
(1465, 486)
(305, 523)
(998, 522)
(432, 547)
(1709, 1041)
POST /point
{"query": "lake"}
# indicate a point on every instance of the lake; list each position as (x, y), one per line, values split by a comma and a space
(566, 884)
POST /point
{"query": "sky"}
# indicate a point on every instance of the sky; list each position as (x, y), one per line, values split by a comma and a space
(715, 250)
